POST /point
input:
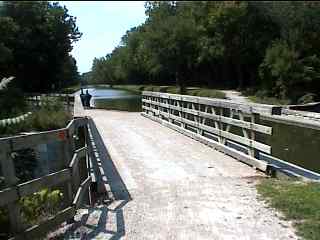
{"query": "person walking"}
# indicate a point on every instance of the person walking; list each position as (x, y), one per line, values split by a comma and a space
(82, 96)
(87, 98)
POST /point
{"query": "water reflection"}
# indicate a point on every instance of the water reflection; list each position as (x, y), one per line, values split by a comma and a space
(297, 145)
(115, 99)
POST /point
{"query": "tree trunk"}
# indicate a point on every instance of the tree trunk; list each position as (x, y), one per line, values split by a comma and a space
(253, 79)
(180, 83)
(225, 74)
(211, 78)
(240, 75)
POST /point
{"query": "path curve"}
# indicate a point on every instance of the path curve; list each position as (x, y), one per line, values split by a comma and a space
(236, 96)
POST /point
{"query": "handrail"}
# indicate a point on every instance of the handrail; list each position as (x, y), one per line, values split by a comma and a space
(189, 115)
(201, 117)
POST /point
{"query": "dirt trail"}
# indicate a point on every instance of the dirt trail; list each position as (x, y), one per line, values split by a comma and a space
(236, 96)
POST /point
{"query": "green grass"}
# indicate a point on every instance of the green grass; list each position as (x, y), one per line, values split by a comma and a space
(298, 201)
(269, 100)
(50, 116)
(194, 91)
(203, 92)
(262, 96)
(45, 203)
(71, 89)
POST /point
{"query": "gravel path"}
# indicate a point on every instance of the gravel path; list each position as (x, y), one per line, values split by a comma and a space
(236, 96)
(169, 186)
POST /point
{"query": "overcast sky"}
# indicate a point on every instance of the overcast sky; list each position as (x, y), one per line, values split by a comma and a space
(102, 25)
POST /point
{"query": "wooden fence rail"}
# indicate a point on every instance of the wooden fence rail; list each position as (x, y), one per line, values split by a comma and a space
(75, 177)
(215, 122)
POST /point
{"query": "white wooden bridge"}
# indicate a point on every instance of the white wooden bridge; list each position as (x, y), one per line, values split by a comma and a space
(184, 168)
(166, 185)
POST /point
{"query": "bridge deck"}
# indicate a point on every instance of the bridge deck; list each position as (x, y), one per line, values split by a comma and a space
(168, 186)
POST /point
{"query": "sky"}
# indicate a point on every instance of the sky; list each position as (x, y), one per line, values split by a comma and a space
(102, 24)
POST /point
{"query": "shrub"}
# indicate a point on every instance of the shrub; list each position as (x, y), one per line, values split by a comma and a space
(51, 115)
(285, 72)
(163, 89)
(40, 205)
(34, 209)
(149, 88)
(307, 98)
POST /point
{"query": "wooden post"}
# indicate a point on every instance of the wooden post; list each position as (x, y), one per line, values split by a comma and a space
(169, 101)
(183, 125)
(245, 133)
(87, 162)
(68, 103)
(222, 139)
(216, 123)
(254, 119)
(11, 180)
(67, 156)
(71, 150)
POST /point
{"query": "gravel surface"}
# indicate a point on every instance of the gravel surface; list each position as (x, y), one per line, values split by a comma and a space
(169, 186)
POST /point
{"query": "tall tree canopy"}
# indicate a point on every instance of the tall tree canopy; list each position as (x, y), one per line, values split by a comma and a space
(230, 44)
(35, 43)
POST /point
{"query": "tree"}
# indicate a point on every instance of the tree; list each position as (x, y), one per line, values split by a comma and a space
(231, 44)
(38, 44)
(171, 36)
(287, 74)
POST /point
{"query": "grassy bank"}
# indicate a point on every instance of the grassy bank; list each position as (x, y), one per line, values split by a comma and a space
(298, 201)
(269, 100)
(71, 89)
(45, 203)
(194, 91)
(261, 96)
(50, 116)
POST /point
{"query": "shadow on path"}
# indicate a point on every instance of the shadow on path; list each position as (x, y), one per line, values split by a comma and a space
(95, 222)
(105, 169)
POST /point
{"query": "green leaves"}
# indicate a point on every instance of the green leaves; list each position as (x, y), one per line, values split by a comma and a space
(40, 205)
(287, 70)
(35, 41)
(269, 45)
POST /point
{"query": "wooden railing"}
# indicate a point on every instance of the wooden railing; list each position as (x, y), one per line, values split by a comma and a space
(75, 177)
(211, 121)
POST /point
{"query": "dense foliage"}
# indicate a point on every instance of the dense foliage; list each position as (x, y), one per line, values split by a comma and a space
(270, 46)
(35, 43)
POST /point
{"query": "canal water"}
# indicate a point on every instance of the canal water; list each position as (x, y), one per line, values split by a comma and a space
(115, 99)
(297, 145)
